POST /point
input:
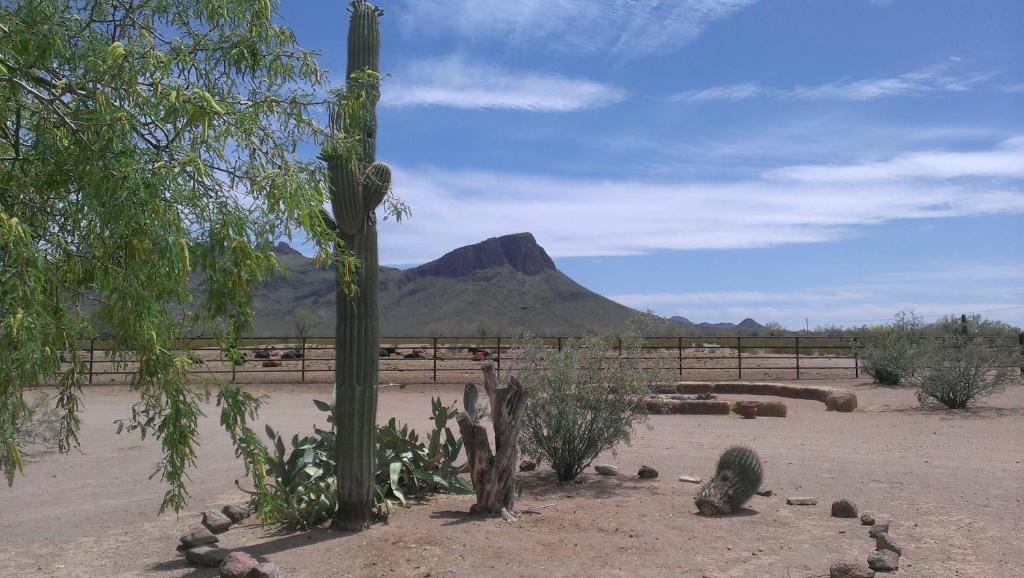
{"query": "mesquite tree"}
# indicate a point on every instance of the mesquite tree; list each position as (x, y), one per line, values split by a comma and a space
(145, 145)
(357, 184)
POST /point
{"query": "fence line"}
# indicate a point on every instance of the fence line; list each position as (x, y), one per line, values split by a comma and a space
(440, 359)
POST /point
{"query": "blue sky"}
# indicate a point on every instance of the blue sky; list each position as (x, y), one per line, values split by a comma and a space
(827, 160)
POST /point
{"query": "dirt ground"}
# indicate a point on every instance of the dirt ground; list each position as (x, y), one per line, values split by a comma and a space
(950, 482)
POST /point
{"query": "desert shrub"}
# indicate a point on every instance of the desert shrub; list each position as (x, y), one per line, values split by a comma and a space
(583, 400)
(302, 482)
(39, 423)
(891, 353)
(963, 365)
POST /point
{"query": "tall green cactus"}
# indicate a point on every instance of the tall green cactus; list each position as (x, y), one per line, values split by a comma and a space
(357, 184)
(736, 479)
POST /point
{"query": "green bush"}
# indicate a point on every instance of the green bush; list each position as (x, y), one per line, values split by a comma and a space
(584, 399)
(963, 365)
(891, 352)
(302, 484)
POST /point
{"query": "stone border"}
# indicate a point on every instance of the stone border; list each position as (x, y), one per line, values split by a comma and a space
(835, 399)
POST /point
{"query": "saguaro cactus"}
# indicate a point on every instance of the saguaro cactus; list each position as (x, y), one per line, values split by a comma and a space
(358, 184)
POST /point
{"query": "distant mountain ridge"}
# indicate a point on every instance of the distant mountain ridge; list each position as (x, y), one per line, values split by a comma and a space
(747, 324)
(496, 286)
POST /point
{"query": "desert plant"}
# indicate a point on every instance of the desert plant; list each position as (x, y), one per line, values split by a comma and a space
(891, 353)
(304, 321)
(357, 185)
(963, 367)
(584, 399)
(302, 483)
(737, 477)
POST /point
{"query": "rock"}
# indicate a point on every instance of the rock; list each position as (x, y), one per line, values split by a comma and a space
(884, 561)
(647, 473)
(265, 570)
(198, 537)
(850, 570)
(844, 509)
(216, 522)
(885, 542)
(527, 466)
(237, 565)
(867, 519)
(606, 470)
(802, 501)
(879, 528)
(690, 479)
(236, 512)
(206, 555)
(765, 492)
(841, 401)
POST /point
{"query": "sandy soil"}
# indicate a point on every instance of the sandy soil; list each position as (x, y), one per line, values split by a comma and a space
(949, 481)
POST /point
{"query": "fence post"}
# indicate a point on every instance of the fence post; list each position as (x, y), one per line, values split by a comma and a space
(92, 353)
(435, 360)
(499, 356)
(739, 357)
(1020, 344)
(856, 359)
(560, 343)
(679, 348)
(798, 358)
(303, 364)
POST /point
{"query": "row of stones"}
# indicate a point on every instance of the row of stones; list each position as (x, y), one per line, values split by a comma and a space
(198, 545)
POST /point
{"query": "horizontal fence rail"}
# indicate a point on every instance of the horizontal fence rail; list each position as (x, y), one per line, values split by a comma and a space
(410, 360)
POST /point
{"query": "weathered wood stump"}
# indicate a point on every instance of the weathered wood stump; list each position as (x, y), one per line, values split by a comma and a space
(493, 473)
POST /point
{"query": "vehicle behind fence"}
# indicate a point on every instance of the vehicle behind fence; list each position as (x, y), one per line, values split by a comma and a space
(407, 360)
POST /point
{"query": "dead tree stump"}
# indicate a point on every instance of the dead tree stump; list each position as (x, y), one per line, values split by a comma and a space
(493, 473)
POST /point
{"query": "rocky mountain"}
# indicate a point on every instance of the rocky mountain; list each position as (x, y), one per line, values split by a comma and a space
(499, 285)
(748, 325)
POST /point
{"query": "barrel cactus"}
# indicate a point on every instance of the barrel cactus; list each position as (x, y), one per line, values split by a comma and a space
(737, 478)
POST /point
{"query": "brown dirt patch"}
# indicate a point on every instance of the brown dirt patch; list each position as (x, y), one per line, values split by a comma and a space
(949, 481)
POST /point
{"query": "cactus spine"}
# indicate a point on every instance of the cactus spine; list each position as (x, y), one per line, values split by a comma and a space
(357, 186)
(736, 479)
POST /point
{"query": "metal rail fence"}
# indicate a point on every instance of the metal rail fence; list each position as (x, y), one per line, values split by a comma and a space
(450, 359)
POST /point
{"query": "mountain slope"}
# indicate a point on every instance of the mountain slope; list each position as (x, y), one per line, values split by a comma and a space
(495, 286)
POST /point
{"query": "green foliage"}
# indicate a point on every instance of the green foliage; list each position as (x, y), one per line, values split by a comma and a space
(737, 477)
(891, 352)
(302, 487)
(584, 399)
(144, 145)
(963, 364)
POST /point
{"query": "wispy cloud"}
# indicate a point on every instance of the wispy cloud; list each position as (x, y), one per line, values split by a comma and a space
(458, 83)
(1005, 161)
(624, 27)
(731, 92)
(933, 79)
(589, 217)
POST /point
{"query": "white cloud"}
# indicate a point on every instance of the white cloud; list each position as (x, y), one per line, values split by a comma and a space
(732, 92)
(1006, 161)
(589, 217)
(932, 79)
(625, 27)
(455, 82)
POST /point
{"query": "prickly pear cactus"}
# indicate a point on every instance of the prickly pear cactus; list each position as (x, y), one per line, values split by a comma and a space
(736, 479)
